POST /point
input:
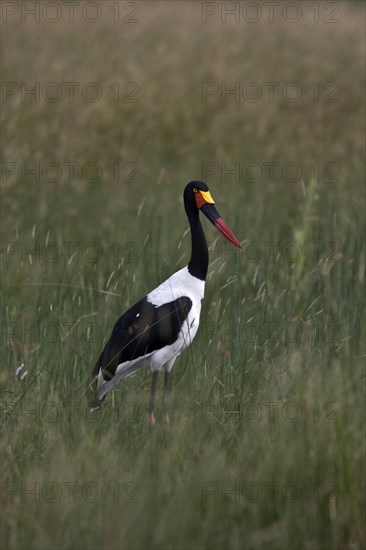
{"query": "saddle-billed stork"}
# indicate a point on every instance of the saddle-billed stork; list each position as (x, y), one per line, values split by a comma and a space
(153, 332)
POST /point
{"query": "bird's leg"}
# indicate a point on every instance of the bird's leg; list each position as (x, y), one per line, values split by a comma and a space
(150, 413)
(166, 398)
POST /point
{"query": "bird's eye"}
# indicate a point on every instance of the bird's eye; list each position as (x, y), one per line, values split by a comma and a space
(195, 190)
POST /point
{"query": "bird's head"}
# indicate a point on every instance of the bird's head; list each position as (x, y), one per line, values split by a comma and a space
(197, 195)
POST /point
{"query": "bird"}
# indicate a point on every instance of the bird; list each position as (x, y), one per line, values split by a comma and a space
(154, 331)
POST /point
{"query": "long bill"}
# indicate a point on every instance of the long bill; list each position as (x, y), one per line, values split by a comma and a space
(209, 210)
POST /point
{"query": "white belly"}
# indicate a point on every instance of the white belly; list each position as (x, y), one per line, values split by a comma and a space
(186, 335)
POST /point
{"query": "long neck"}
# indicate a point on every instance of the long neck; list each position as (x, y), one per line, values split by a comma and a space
(198, 264)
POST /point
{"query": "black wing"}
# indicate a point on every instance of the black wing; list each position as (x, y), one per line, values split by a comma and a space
(144, 328)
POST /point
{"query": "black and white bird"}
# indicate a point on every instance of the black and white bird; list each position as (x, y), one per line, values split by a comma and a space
(153, 332)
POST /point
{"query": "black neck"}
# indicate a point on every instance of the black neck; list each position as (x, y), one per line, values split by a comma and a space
(198, 264)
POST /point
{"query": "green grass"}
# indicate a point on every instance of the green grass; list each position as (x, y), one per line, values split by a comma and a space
(266, 444)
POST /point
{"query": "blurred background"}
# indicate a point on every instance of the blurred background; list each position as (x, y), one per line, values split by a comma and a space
(108, 110)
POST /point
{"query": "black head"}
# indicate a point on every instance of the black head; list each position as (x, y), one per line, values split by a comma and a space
(191, 192)
(198, 197)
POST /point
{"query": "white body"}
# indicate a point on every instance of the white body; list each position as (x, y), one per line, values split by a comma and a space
(180, 284)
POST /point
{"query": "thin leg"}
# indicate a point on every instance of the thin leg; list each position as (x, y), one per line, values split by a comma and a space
(150, 413)
(166, 398)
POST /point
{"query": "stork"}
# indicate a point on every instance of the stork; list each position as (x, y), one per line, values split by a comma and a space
(153, 332)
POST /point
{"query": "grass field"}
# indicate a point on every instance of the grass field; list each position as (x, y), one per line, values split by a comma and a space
(266, 447)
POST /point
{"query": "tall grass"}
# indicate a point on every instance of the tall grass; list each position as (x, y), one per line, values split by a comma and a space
(266, 444)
